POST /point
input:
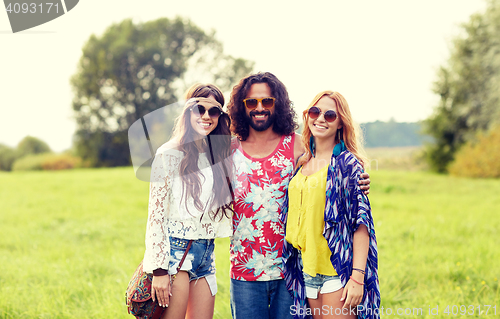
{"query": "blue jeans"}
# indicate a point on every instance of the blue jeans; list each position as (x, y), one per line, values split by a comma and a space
(260, 299)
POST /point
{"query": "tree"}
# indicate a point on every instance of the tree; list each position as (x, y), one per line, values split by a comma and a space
(468, 87)
(31, 145)
(134, 69)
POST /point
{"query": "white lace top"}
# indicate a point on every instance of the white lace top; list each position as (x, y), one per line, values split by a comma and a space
(167, 214)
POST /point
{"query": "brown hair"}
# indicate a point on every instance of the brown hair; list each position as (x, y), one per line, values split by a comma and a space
(217, 149)
(284, 113)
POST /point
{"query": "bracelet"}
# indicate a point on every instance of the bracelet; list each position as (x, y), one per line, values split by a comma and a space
(160, 272)
(360, 270)
(359, 283)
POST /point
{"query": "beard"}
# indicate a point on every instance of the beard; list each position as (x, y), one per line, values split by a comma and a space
(260, 125)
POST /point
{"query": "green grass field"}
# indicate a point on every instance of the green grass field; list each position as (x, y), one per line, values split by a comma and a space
(70, 240)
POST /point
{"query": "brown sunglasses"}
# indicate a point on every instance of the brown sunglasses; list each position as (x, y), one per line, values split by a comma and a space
(314, 112)
(267, 102)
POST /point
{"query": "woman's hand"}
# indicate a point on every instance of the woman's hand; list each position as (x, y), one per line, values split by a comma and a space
(161, 290)
(353, 294)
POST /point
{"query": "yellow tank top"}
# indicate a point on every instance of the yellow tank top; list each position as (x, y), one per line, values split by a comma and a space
(305, 223)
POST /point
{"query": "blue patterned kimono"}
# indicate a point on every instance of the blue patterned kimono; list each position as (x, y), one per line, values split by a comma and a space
(346, 208)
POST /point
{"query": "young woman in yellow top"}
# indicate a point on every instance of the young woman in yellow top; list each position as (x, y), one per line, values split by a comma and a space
(330, 254)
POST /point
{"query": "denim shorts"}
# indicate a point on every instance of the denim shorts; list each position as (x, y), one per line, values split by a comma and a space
(199, 261)
(321, 283)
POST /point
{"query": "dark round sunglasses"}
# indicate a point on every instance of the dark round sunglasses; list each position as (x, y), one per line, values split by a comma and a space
(199, 110)
(267, 102)
(315, 111)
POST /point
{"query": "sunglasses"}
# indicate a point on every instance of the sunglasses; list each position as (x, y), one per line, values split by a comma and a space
(267, 102)
(199, 110)
(329, 115)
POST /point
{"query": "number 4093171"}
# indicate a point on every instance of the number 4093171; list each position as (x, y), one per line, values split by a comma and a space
(470, 310)
(32, 7)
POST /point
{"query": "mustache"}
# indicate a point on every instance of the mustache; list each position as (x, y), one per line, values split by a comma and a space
(265, 112)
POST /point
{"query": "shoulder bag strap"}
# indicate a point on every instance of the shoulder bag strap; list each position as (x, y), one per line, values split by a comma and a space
(185, 254)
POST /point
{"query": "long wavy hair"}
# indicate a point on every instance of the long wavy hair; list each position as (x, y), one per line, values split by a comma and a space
(217, 147)
(350, 132)
(286, 122)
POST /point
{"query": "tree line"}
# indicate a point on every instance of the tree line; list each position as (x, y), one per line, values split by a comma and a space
(393, 134)
(133, 69)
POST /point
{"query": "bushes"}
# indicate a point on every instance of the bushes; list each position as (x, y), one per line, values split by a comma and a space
(481, 159)
(34, 154)
(7, 157)
(46, 161)
(61, 161)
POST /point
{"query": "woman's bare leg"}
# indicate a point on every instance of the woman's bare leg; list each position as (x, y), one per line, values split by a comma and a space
(334, 306)
(316, 305)
(201, 302)
(179, 299)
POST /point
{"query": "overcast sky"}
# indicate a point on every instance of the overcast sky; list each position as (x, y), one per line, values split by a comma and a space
(381, 55)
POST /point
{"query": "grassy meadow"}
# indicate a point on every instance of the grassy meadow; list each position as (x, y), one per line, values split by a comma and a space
(70, 240)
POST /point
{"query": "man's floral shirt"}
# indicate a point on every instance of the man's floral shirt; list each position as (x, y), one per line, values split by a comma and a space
(259, 187)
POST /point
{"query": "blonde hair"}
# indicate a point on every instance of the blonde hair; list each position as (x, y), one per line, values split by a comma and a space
(350, 132)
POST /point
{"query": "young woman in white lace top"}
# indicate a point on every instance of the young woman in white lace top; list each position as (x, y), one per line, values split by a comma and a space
(190, 200)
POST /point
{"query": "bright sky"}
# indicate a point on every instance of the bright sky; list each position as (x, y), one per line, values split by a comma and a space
(381, 55)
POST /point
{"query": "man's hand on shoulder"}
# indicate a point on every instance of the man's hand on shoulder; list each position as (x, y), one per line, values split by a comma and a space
(298, 148)
(364, 183)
